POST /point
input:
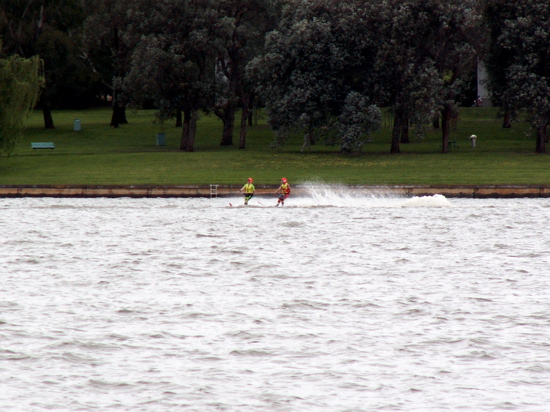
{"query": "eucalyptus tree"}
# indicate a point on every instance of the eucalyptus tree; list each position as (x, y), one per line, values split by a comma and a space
(320, 54)
(426, 59)
(497, 59)
(238, 31)
(462, 41)
(174, 61)
(20, 83)
(357, 119)
(47, 29)
(519, 60)
(107, 47)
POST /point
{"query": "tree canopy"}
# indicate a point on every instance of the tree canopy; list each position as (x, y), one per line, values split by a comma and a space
(313, 70)
(519, 60)
(322, 68)
(413, 56)
(49, 29)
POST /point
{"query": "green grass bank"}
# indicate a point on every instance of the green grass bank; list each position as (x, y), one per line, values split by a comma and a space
(129, 155)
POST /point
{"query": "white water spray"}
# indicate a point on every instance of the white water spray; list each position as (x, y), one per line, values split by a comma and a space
(336, 195)
(343, 196)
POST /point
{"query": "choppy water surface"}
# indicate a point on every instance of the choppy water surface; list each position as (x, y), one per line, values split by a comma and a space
(333, 303)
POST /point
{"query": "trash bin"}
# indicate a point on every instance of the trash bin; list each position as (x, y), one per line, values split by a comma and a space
(161, 139)
(76, 126)
(473, 139)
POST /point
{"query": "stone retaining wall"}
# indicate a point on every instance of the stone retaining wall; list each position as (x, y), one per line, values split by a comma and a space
(468, 191)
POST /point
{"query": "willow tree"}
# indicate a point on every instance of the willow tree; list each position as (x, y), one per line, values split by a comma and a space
(20, 84)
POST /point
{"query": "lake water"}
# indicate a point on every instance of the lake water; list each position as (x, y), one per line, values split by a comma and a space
(335, 302)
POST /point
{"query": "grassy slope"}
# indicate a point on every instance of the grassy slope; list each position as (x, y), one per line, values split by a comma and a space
(100, 154)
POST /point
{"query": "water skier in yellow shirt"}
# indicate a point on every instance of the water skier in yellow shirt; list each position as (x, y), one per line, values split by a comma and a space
(249, 190)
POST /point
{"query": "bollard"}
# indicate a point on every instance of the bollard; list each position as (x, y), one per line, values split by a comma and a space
(473, 139)
(76, 126)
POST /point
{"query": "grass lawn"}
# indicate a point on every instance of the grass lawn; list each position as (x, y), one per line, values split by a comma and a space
(102, 155)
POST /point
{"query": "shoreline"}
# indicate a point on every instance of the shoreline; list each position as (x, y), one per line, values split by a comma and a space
(211, 191)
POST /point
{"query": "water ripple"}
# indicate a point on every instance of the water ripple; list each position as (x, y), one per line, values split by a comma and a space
(336, 302)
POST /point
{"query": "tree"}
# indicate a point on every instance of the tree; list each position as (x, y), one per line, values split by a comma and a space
(108, 47)
(45, 28)
(20, 84)
(520, 30)
(456, 57)
(196, 61)
(238, 31)
(497, 59)
(425, 59)
(356, 121)
(174, 62)
(311, 64)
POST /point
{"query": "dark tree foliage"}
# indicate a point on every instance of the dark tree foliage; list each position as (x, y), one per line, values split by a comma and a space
(48, 29)
(426, 59)
(238, 30)
(318, 59)
(497, 59)
(519, 60)
(109, 42)
(322, 67)
(415, 56)
(191, 56)
(174, 61)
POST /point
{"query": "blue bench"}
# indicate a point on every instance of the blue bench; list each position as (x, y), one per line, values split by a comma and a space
(42, 145)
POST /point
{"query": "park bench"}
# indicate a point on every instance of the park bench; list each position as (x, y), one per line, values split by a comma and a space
(42, 145)
(452, 144)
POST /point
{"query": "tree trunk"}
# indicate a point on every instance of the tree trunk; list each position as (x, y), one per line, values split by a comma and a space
(251, 112)
(396, 131)
(47, 113)
(446, 118)
(119, 115)
(507, 122)
(405, 131)
(251, 98)
(244, 121)
(435, 121)
(309, 139)
(48, 119)
(185, 130)
(179, 120)
(192, 131)
(188, 130)
(228, 118)
(542, 137)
